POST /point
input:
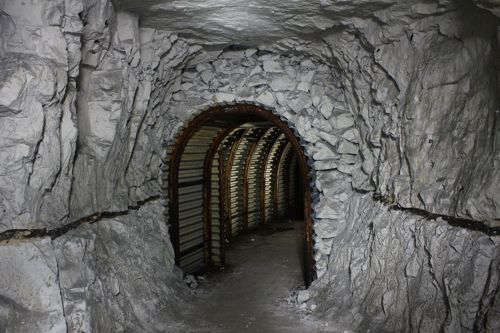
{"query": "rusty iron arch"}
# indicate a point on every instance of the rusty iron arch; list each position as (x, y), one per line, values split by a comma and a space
(228, 117)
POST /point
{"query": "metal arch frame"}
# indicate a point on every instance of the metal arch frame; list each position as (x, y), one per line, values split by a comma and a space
(239, 111)
(290, 180)
(269, 167)
(277, 180)
(207, 192)
(275, 177)
(173, 184)
(228, 218)
(271, 142)
(248, 163)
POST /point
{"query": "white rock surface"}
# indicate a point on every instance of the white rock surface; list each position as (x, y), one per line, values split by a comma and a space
(392, 271)
(120, 268)
(340, 158)
(398, 99)
(30, 299)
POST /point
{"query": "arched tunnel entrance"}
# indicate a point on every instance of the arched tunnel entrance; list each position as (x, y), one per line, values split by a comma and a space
(234, 168)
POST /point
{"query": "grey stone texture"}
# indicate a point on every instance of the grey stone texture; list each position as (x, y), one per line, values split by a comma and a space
(81, 89)
(108, 104)
(118, 275)
(427, 116)
(395, 103)
(30, 299)
(390, 271)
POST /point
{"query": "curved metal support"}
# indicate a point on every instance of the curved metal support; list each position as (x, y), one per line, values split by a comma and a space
(227, 171)
(207, 193)
(245, 178)
(275, 178)
(271, 142)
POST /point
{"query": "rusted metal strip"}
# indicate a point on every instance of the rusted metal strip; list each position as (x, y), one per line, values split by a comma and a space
(286, 180)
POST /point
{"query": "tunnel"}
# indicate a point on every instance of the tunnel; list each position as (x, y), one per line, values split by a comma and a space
(221, 166)
(233, 168)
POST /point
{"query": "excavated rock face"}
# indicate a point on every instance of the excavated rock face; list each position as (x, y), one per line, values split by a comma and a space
(80, 136)
(396, 104)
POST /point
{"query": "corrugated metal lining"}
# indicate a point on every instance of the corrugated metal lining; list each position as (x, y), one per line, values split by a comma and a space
(215, 210)
(235, 185)
(270, 173)
(228, 152)
(190, 199)
(228, 181)
(293, 172)
(255, 175)
(239, 181)
(283, 178)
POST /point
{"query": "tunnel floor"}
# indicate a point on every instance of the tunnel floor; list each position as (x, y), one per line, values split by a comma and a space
(250, 295)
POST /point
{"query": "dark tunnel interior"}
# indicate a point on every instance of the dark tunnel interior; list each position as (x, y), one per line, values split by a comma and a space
(229, 175)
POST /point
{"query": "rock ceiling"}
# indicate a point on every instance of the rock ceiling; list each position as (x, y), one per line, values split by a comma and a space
(249, 22)
(216, 23)
(243, 22)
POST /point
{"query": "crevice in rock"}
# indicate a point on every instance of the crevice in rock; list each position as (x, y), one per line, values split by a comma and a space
(469, 224)
(23, 234)
(487, 299)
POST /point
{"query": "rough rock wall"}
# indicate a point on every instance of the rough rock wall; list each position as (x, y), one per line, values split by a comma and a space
(37, 92)
(422, 87)
(392, 271)
(80, 140)
(421, 80)
(441, 153)
(379, 266)
(400, 101)
(114, 275)
(119, 116)
(123, 73)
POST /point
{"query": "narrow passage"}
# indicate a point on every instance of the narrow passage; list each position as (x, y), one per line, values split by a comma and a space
(250, 294)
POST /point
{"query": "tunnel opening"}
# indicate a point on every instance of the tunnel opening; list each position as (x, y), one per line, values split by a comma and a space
(233, 169)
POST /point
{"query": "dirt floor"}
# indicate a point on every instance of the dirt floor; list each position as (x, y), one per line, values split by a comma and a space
(251, 293)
